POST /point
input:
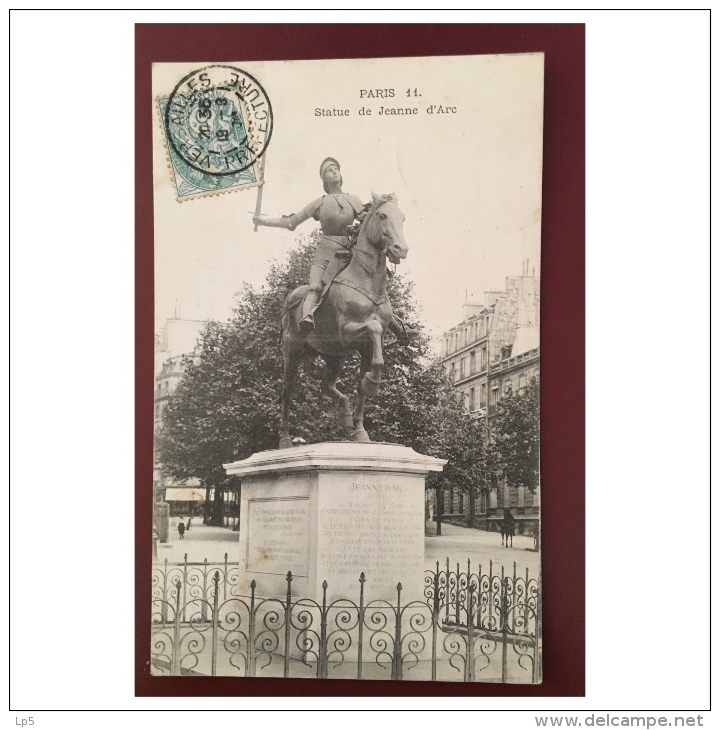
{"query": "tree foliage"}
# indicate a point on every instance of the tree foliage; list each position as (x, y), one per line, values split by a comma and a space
(227, 406)
(514, 452)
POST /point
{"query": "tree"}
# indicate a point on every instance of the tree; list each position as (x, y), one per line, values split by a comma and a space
(461, 441)
(514, 452)
(227, 405)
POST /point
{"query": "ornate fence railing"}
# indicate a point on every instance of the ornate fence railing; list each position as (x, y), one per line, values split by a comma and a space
(471, 626)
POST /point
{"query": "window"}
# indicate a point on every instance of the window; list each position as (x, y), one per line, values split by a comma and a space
(483, 358)
(494, 396)
(513, 496)
(473, 405)
(462, 367)
(505, 492)
(522, 380)
(472, 362)
(483, 395)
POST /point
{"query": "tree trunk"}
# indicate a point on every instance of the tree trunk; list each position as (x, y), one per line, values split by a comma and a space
(217, 515)
(439, 508)
(471, 506)
(207, 507)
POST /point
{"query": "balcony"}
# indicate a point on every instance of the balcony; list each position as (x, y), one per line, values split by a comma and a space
(514, 361)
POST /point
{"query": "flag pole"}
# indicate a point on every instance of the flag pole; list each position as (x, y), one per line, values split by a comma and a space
(258, 200)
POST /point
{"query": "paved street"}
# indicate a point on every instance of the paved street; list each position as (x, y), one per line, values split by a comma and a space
(461, 543)
(457, 543)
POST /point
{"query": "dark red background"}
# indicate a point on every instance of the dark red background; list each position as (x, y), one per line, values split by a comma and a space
(562, 325)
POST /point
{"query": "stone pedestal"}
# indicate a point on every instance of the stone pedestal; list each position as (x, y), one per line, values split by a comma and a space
(329, 512)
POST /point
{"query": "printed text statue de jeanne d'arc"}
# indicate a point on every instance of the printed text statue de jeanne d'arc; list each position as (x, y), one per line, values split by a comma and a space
(335, 211)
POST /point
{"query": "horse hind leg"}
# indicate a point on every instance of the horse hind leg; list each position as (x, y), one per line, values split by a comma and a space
(333, 368)
(290, 371)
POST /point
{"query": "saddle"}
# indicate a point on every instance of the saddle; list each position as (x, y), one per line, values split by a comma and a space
(339, 262)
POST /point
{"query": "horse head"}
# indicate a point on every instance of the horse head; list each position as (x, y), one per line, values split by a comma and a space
(383, 226)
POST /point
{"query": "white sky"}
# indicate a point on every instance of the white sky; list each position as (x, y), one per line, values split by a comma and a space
(468, 183)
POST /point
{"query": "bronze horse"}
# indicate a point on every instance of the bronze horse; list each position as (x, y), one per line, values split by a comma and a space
(352, 317)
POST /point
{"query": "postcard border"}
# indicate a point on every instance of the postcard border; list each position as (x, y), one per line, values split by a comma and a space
(562, 324)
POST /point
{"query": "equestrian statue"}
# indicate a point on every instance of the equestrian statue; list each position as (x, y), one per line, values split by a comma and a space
(345, 307)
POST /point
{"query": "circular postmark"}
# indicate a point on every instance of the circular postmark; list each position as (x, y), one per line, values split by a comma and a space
(219, 120)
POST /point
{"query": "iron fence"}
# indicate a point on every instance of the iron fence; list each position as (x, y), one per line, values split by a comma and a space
(471, 626)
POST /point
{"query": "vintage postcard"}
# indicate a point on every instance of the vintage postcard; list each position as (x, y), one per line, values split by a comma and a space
(347, 314)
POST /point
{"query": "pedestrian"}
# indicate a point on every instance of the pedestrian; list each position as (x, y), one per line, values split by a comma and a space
(181, 528)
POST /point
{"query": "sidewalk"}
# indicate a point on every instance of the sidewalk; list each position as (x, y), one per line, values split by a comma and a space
(201, 542)
(456, 543)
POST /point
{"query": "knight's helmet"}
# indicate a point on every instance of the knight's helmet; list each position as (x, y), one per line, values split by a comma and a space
(324, 166)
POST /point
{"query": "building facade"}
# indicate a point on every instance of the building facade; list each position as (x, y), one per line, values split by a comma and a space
(495, 350)
(175, 347)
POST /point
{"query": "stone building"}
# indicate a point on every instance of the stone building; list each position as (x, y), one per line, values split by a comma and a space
(175, 346)
(495, 348)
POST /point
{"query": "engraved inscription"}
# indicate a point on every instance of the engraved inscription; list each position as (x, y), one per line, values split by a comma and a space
(372, 532)
(278, 536)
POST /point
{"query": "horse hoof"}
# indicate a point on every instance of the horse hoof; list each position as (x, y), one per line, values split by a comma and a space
(360, 435)
(286, 442)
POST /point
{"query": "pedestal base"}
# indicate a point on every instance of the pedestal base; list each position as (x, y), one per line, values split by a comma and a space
(327, 513)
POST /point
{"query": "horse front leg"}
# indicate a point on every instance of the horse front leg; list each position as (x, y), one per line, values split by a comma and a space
(359, 433)
(333, 368)
(373, 373)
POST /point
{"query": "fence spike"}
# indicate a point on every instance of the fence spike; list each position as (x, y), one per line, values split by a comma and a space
(505, 606)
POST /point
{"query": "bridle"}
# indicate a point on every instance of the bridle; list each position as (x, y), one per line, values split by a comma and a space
(374, 210)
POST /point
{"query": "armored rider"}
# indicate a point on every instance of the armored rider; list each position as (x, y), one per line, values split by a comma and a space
(335, 211)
